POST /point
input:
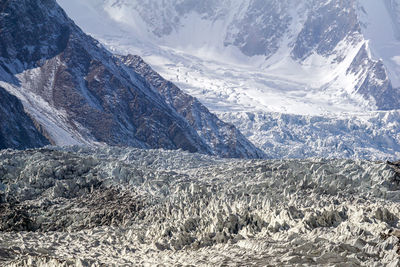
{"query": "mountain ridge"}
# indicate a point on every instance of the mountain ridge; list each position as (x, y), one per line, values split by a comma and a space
(342, 71)
(78, 92)
(328, 37)
(223, 138)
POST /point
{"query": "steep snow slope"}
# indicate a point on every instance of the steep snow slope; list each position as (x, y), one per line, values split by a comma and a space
(313, 43)
(311, 58)
(125, 207)
(381, 26)
(17, 130)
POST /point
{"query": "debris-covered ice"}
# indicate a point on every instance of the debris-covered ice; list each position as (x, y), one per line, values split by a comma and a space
(124, 207)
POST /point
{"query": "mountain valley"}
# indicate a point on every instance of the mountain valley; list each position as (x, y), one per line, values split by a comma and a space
(199, 133)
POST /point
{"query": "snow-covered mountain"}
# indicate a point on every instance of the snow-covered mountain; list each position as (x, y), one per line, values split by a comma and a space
(318, 43)
(77, 92)
(308, 58)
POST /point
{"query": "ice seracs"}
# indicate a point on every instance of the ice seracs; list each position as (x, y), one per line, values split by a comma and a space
(116, 206)
(311, 58)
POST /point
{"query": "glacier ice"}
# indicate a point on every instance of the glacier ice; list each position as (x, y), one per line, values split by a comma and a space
(373, 135)
(126, 206)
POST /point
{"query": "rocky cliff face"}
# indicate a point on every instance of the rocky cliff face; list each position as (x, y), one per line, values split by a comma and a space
(17, 130)
(77, 90)
(223, 138)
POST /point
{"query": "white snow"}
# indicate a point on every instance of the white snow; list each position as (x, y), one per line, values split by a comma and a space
(194, 57)
(226, 81)
(381, 24)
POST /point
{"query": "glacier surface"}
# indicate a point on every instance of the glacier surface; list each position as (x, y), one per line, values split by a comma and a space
(115, 206)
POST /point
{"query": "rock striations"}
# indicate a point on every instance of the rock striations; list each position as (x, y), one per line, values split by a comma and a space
(17, 130)
(223, 138)
(80, 93)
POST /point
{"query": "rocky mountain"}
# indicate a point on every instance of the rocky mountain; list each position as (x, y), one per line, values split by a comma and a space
(17, 130)
(223, 138)
(336, 60)
(80, 93)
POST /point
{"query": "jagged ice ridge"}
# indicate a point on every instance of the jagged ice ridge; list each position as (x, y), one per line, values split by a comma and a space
(102, 206)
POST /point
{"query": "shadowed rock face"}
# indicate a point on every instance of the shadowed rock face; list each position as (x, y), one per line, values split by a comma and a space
(73, 73)
(44, 53)
(17, 130)
(327, 24)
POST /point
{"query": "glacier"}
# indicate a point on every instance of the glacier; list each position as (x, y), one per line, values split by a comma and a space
(80, 206)
(349, 74)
